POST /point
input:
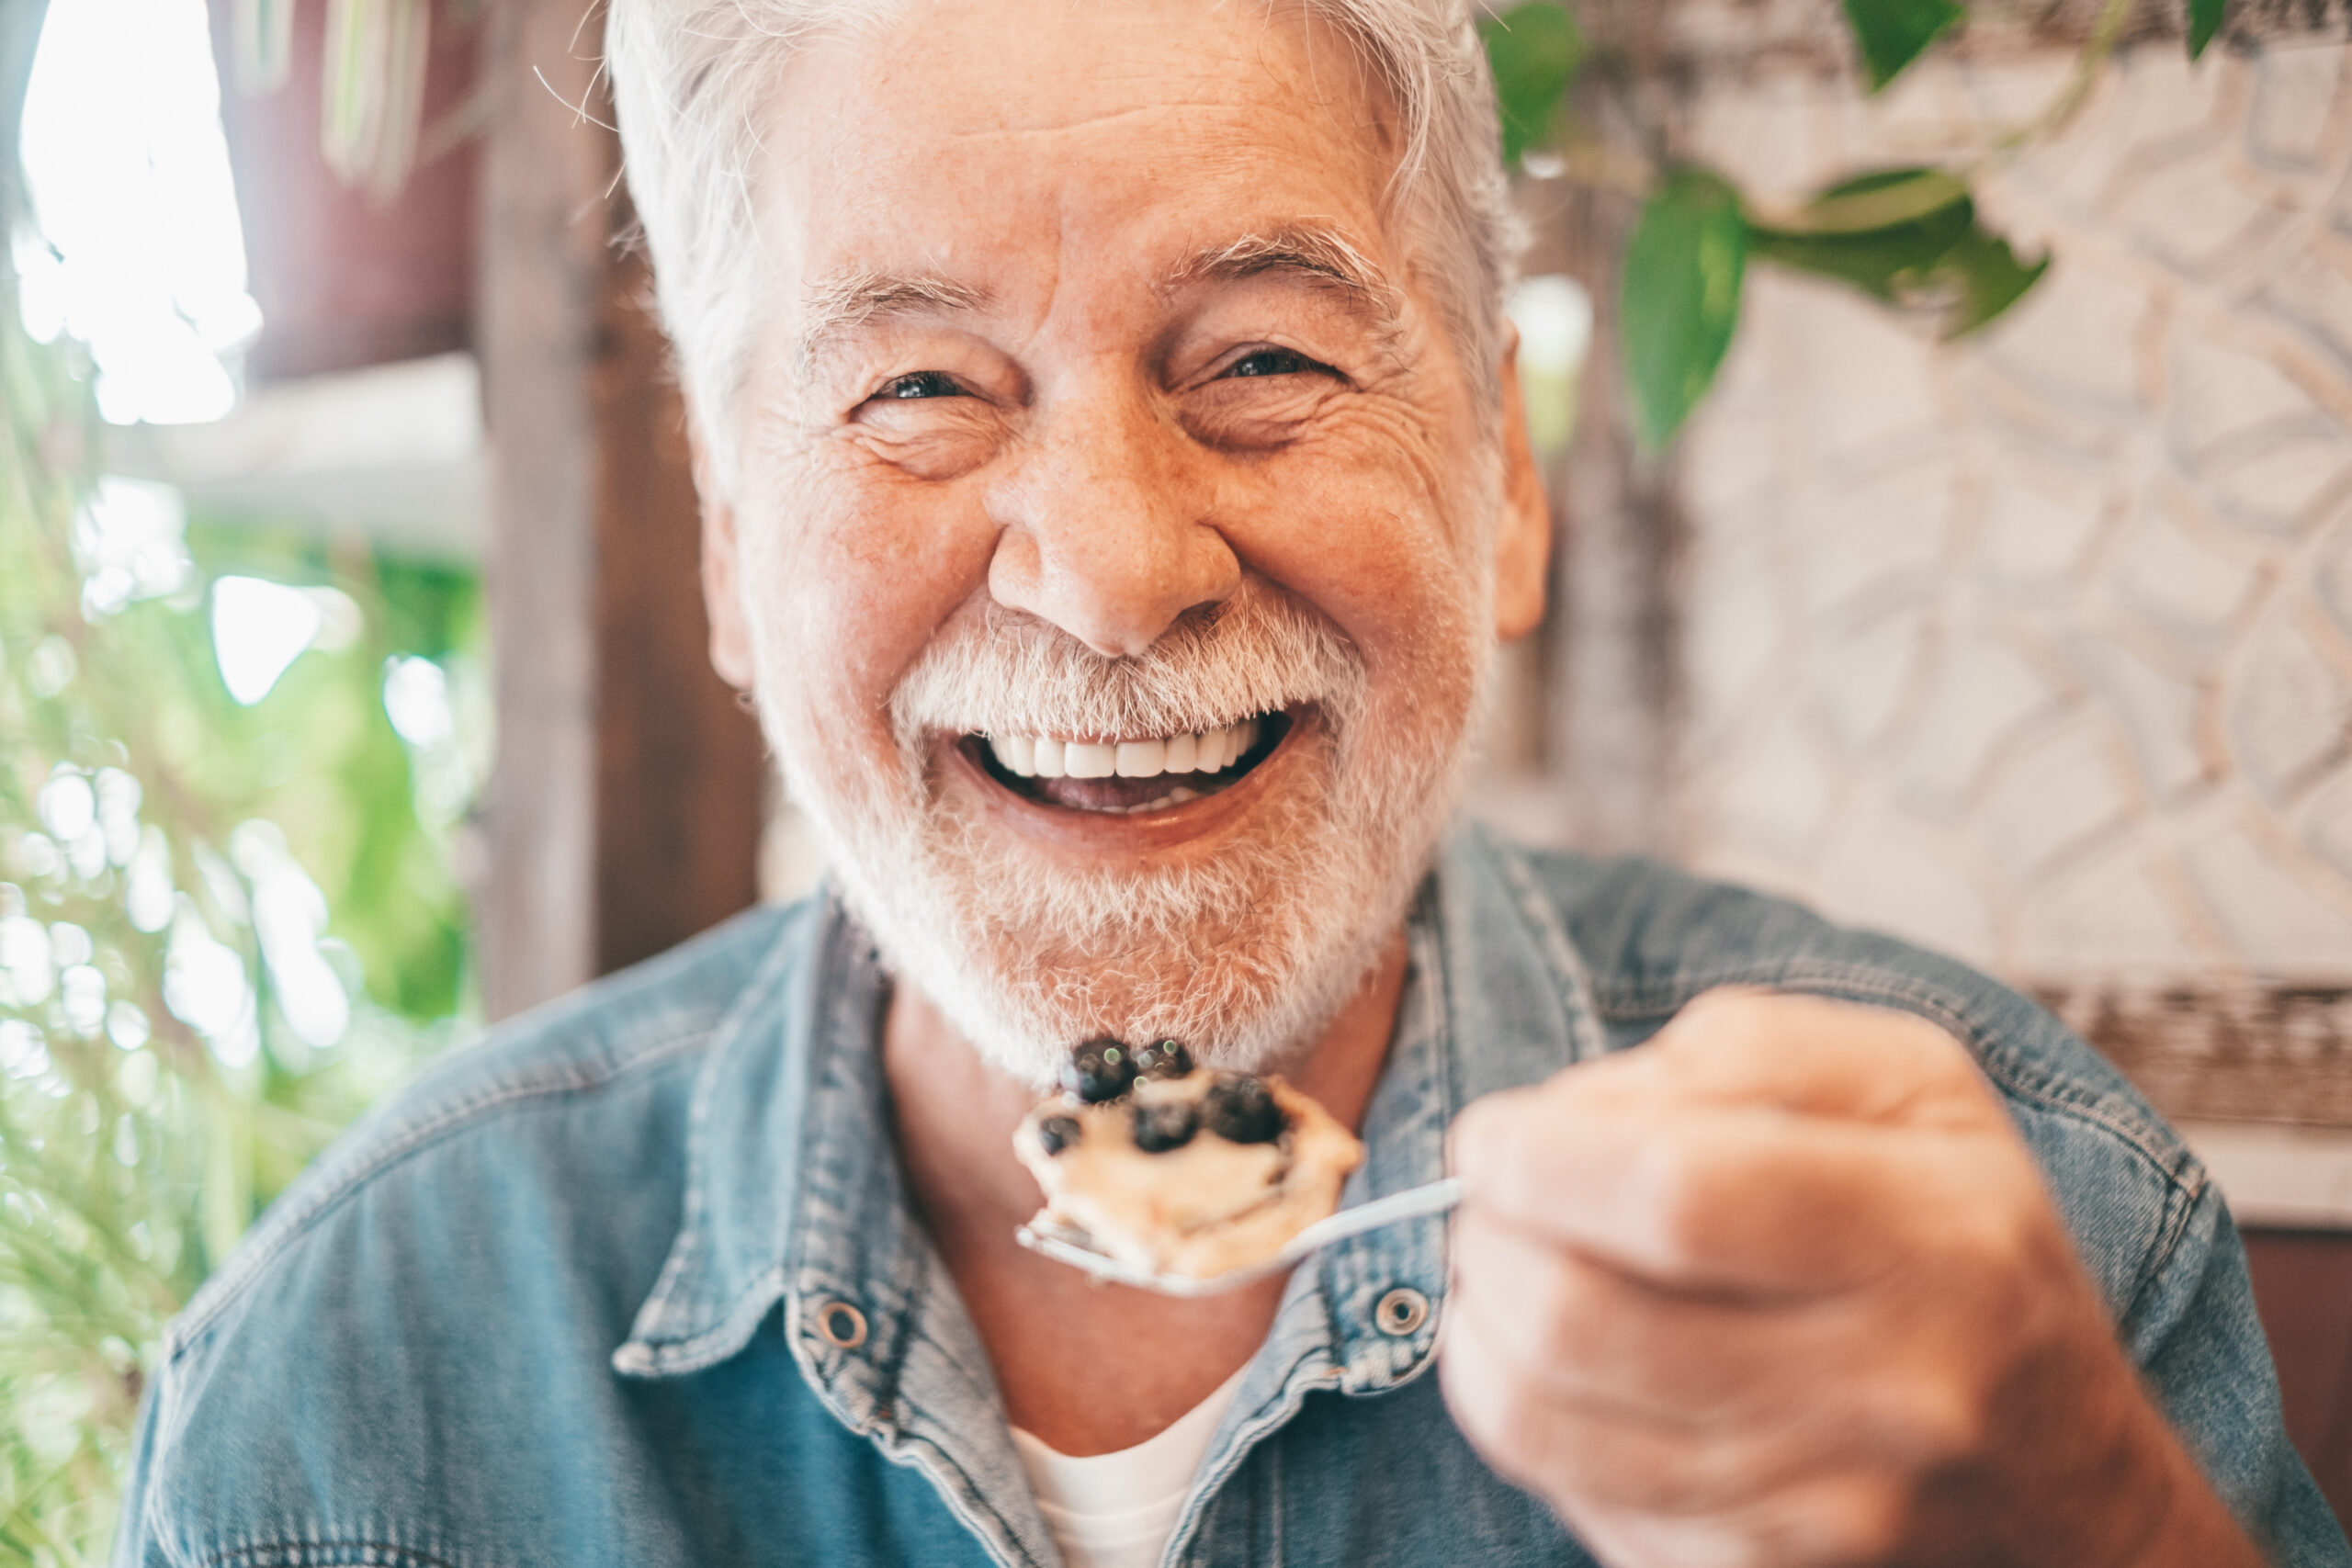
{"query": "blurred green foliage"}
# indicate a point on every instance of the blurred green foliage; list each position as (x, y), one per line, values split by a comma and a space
(1906, 237)
(171, 861)
(1534, 51)
(1683, 270)
(135, 1146)
(1910, 238)
(2204, 21)
(318, 756)
(1891, 34)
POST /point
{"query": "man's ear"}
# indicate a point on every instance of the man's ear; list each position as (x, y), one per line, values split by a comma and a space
(1523, 531)
(722, 596)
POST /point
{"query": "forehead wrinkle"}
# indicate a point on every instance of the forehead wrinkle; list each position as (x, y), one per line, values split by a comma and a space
(839, 307)
(1320, 254)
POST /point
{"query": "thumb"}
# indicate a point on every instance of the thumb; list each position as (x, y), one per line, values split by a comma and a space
(1820, 1057)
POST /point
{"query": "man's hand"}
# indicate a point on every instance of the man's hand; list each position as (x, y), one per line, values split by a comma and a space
(1784, 1287)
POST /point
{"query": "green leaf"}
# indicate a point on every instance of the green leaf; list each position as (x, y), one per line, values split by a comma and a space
(1893, 33)
(1875, 200)
(2204, 21)
(1927, 249)
(1679, 298)
(1920, 214)
(1534, 51)
(1990, 279)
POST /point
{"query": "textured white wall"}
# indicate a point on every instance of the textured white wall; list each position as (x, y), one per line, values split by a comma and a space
(2040, 648)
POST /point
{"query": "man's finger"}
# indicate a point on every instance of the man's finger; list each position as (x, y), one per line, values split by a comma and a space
(1610, 1459)
(1724, 1198)
(1586, 1334)
(1821, 1057)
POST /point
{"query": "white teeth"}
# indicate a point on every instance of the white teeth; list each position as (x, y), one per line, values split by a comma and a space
(1087, 760)
(1176, 797)
(1043, 757)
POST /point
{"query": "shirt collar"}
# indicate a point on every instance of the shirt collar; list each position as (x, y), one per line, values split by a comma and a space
(748, 1131)
(793, 1192)
(1495, 997)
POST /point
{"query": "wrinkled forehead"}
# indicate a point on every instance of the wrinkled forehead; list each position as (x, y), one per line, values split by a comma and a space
(1010, 145)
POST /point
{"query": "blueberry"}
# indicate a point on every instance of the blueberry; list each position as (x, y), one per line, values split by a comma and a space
(1056, 1134)
(1242, 1110)
(1099, 1070)
(1168, 1125)
(1164, 1059)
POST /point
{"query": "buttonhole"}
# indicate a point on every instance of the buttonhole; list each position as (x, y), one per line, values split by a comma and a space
(841, 1325)
(1400, 1312)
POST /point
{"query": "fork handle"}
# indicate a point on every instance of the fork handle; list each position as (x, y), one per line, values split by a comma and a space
(1414, 1201)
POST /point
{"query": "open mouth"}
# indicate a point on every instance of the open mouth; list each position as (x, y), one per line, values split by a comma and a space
(1130, 774)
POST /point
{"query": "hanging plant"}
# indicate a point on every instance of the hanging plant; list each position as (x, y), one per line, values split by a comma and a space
(1910, 238)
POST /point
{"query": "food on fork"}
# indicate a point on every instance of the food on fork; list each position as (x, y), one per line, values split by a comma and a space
(1174, 1168)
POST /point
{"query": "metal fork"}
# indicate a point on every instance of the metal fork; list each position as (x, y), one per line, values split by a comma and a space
(1067, 1245)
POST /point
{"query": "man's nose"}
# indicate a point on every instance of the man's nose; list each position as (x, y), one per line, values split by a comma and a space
(1107, 530)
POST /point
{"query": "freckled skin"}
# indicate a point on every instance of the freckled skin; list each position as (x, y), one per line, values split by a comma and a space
(1086, 390)
(1104, 449)
(1096, 453)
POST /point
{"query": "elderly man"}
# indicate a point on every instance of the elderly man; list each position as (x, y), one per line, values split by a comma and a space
(1072, 383)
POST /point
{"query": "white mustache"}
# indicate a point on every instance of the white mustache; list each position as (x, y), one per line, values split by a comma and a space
(1009, 673)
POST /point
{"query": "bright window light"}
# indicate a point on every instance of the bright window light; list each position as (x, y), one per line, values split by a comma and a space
(130, 538)
(205, 988)
(1554, 315)
(259, 629)
(289, 918)
(417, 699)
(140, 252)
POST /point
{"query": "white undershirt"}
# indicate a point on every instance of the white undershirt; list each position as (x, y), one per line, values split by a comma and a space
(1117, 1510)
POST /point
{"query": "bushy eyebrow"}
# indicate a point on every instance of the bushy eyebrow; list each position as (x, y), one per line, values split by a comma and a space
(1319, 254)
(838, 307)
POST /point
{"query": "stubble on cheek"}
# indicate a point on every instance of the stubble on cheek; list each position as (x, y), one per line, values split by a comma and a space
(842, 584)
(1245, 953)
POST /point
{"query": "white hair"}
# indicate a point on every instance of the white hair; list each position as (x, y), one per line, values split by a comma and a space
(690, 81)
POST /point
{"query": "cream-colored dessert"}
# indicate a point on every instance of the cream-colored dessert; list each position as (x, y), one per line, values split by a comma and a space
(1187, 1171)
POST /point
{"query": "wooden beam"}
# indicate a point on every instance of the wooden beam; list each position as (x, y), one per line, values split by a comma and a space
(678, 761)
(1612, 641)
(624, 805)
(344, 279)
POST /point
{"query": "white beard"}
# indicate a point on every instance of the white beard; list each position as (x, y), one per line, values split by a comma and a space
(1245, 957)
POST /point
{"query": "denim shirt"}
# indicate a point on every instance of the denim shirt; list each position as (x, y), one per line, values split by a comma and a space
(639, 1281)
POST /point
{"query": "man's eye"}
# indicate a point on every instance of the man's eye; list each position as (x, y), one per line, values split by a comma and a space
(921, 384)
(1273, 362)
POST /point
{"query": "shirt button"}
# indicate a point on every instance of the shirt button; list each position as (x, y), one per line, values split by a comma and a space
(841, 1324)
(1400, 1312)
